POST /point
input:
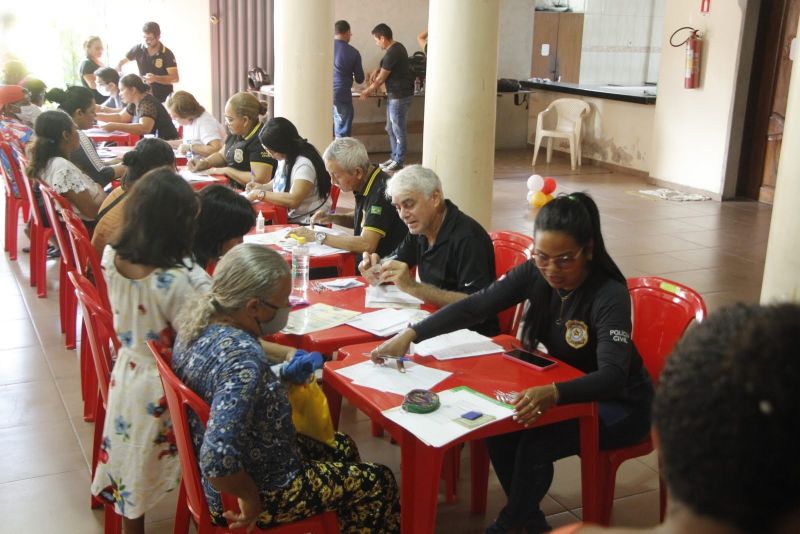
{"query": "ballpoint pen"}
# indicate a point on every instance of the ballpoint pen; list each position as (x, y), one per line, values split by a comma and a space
(400, 360)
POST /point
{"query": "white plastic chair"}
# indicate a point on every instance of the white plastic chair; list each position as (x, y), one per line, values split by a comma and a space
(570, 113)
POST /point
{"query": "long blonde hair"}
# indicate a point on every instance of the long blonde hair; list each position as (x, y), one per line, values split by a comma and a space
(247, 271)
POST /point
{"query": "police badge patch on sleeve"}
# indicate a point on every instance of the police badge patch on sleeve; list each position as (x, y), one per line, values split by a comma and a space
(577, 334)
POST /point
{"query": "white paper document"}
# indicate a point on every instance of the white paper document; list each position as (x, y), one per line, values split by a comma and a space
(266, 238)
(387, 378)
(316, 317)
(190, 176)
(459, 344)
(439, 428)
(384, 323)
(389, 296)
(340, 284)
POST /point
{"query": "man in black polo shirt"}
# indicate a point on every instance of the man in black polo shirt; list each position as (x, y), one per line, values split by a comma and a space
(453, 254)
(156, 62)
(376, 226)
(394, 71)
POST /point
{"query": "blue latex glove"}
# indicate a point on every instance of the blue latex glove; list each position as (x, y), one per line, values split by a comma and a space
(301, 367)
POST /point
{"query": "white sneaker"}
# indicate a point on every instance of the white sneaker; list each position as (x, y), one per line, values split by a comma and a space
(393, 166)
(386, 163)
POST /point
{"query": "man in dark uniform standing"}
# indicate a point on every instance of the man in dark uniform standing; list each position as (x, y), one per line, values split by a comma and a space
(156, 62)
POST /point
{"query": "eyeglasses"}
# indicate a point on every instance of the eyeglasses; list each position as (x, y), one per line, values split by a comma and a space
(565, 261)
(265, 303)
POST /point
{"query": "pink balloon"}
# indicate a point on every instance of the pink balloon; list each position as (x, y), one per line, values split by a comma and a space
(535, 182)
(548, 186)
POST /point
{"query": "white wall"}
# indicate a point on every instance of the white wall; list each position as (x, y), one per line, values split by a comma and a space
(513, 61)
(613, 132)
(692, 126)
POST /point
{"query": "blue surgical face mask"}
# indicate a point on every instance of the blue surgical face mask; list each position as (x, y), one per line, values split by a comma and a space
(278, 321)
(103, 90)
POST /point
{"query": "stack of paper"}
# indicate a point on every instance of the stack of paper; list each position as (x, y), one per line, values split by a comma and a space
(389, 296)
(190, 176)
(266, 238)
(440, 427)
(384, 323)
(340, 284)
(459, 344)
(388, 378)
(316, 317)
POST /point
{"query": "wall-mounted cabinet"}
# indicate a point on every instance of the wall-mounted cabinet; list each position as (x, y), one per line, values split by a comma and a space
(557, 41)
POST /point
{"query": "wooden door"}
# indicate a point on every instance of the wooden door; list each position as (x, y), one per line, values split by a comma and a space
(766, 107)
(545, 45)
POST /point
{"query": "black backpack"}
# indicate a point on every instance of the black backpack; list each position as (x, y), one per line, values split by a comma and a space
(416, 64)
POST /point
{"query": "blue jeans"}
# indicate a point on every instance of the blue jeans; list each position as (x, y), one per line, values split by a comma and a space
(396, 114)
(343, 118)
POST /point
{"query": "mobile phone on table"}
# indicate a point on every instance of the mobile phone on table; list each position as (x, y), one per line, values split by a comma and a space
(537, 361)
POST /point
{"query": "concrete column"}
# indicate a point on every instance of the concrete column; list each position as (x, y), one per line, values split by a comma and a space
(782, 268)
(461, 101)
(304, 67)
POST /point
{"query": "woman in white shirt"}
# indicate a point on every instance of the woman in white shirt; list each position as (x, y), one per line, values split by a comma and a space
(202, 133)
(57, 138)
(301, 182)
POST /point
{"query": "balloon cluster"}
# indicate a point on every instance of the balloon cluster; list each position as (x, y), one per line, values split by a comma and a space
(540, 190)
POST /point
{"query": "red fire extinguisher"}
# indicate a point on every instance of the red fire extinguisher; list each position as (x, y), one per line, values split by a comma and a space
(694, 52)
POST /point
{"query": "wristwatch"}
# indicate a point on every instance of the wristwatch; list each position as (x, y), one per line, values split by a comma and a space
(320, 237)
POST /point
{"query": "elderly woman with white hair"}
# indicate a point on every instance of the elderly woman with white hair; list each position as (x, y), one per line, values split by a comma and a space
(250, 448)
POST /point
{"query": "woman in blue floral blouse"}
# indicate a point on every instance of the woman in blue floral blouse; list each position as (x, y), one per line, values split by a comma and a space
(250, 448)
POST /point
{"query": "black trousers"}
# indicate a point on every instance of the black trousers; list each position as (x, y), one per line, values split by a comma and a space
(523, 461)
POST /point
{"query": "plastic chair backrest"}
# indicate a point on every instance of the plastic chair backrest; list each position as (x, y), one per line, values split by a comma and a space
(179, 399)
(87, 262)
(510, 249)
(15, 170)
(570, 112)
(99, 328)
(37, 216)
(50, 199)
(662, 311)
(334, 197)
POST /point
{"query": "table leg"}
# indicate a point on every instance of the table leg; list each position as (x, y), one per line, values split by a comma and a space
(419, 488)
(590, 452)
(479, 463)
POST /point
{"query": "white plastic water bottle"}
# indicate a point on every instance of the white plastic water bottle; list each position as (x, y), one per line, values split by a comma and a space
(260, 223)
(300, 269)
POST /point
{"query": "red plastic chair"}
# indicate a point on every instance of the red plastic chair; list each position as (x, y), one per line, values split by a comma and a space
(15, 202)
(510, 249)
(99, 327)
(67, 305)
(662, 311)
(191, 500)
(271, 212)
(87, 264)
(39, 234)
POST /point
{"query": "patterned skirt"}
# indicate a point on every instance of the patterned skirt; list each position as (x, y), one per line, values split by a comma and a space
(138, 462)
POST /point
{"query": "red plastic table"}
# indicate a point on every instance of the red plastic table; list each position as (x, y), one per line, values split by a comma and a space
(421, 464)
(120, 138)
(332, 339)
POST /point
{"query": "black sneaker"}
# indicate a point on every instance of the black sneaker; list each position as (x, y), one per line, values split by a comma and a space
(385, 163)
(53, 252)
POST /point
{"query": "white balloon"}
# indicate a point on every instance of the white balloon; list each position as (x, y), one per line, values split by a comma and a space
(535, 182)
(529, 197)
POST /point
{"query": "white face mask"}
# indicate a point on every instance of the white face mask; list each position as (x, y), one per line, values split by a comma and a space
(276, 324)
(103, 90)
(28, 114)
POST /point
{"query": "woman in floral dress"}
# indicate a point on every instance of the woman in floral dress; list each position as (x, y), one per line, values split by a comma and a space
(150, 277)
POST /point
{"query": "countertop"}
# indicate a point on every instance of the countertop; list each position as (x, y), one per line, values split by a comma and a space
(637, 95)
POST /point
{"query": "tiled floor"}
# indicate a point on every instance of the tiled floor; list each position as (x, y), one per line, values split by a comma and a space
(716, 248)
